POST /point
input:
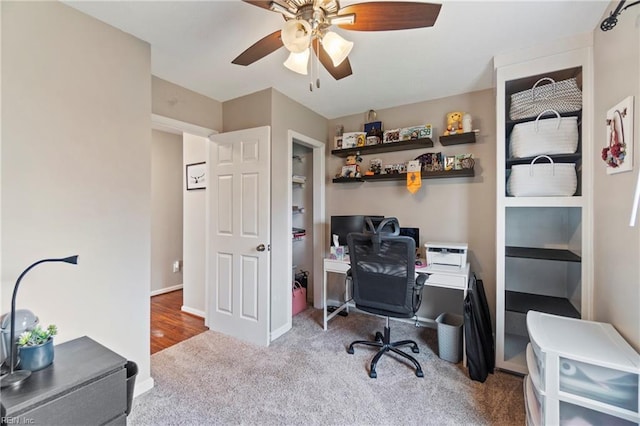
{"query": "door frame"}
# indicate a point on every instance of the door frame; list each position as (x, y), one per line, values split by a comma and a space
(178, 127)
(319, 160)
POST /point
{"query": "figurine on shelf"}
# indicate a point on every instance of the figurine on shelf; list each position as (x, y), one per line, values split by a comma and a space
(454, 123)
(351, 169)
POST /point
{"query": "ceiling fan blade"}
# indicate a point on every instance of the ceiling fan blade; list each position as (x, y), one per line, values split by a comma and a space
(341, 71)
(260, 49)
(259, 3)
(390, 15)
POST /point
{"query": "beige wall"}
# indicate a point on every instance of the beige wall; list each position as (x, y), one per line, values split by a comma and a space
(194, 150)
(616, 245)
(176, 102)
(173, 101)
(287, 115)
(247, 112)
(76, 157)
(454, 210)
(166, 209)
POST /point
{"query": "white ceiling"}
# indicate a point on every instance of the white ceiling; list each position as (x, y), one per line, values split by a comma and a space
(193, 44)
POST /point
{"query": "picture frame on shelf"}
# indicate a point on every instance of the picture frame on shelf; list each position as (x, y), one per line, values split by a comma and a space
(196, 176)
(449, 162)
(349, 171)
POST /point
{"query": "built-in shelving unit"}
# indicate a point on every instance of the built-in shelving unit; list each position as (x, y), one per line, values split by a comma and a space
(542, 245)
(524, 302)
(541, 253)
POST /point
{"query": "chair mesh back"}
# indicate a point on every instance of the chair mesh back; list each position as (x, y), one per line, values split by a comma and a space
(383, 273)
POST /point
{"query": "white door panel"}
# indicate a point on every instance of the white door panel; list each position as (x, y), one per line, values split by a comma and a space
(238, 226)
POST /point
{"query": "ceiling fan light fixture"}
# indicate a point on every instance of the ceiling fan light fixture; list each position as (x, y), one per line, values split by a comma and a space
(296, 35)
(276, 7)
(298, 62)
(336, 47)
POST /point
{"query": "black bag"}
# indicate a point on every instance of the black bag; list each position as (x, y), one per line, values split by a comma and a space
(480, 348)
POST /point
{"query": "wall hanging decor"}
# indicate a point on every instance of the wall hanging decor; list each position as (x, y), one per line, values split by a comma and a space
(196, 176)
(618, 152)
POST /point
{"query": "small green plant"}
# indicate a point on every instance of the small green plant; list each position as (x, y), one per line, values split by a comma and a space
(37, 336)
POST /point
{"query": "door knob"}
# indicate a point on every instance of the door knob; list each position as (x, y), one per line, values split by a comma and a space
(261, 247)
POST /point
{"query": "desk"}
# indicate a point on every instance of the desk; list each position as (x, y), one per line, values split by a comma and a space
(441, 276)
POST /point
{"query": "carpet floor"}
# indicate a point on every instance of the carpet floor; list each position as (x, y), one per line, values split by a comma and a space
(306, 377)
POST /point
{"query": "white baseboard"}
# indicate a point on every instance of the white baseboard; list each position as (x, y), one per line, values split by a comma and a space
(143, 387)
(280, 331)
(166, 290)
(192, 311)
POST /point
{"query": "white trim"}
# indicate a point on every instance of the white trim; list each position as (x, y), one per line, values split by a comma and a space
(279, 332)
(166, 290)
(177, 127)
(192, 311)
(143, 387)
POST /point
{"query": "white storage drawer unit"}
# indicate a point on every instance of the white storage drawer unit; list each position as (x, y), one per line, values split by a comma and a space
(541, 410)
(580, 371)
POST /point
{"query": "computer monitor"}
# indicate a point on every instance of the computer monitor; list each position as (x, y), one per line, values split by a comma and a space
(413, 233)
(343, 225)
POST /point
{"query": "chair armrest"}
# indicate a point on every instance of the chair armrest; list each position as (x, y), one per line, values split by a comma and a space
(421, 279)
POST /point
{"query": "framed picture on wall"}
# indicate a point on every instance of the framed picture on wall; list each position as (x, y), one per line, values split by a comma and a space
(196, 176)
(618, 151)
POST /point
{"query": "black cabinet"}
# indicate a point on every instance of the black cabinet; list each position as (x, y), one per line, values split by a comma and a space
(85, 385)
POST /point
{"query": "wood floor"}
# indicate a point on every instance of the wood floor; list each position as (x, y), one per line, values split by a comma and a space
(169, 325)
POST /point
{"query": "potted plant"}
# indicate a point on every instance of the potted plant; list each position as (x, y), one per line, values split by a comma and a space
(35, 348)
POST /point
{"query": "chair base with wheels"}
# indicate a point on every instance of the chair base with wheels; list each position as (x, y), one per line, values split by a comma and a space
(383, 341)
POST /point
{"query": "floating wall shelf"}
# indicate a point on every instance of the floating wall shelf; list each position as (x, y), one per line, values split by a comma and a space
(403, 176)
(384, 147)
(469, 137)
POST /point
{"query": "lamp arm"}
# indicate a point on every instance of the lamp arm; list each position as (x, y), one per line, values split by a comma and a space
(70, 259)
(628, 6)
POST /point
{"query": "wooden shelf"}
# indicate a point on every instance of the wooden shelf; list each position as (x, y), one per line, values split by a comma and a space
(385, 147)
(542, 253)
(403, 176)
(469, 137)
(524, 302)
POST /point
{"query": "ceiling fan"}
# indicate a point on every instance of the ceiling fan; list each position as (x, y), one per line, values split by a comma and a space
(308, 27)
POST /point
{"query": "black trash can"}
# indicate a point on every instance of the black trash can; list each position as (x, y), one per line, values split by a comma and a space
(132, 372)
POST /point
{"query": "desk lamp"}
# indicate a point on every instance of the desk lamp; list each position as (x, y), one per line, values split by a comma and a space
(15, 377)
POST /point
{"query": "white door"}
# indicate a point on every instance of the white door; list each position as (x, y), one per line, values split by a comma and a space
(238, 229)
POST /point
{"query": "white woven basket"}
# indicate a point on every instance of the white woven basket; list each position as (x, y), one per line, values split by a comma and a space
(562, 96)
(542, 180)
(550, 136)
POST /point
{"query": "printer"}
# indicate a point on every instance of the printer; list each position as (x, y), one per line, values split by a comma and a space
(446, 256)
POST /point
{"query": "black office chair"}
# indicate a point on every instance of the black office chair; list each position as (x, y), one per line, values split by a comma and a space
(384, 283)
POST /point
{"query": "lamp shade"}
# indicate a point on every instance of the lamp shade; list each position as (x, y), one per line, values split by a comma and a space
(336, 47)
(298, 62)
(296, 35)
